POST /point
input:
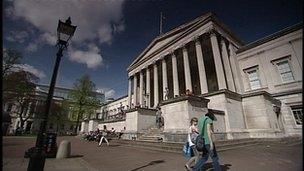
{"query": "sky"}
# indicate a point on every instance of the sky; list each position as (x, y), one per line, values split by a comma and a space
(111, 33)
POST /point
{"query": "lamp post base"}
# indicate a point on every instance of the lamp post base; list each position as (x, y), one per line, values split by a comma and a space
(37, 160)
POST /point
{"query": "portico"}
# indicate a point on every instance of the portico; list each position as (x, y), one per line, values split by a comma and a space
(189, 60)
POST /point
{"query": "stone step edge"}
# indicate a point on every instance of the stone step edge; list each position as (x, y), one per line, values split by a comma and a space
(180, 151)
(180, 147)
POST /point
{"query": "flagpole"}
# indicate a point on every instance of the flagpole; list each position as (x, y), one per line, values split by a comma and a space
(161, 24)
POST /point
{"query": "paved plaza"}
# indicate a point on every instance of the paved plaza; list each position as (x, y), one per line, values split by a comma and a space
(88, 156)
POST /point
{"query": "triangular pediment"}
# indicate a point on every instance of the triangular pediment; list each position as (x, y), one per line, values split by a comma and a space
(166, 38)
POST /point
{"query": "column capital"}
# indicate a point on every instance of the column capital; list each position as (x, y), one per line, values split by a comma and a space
(184, 47)
(197, 41)
(212, 32)
(172, 53)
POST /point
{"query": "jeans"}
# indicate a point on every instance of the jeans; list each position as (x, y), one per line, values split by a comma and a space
(194, 158)
(204, 158)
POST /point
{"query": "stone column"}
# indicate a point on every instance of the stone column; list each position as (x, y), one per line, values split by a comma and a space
(218, 62)
(227, 67)
(175, 76)
(135, 90)
(187, 69)
(201, 67)
(130, 92)
(148, 87)
(141, 87)
(234, 68)
(156, 98)
(165, 79)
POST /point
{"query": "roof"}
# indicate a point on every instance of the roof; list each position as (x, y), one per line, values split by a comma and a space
(163, 41)
(273, 36)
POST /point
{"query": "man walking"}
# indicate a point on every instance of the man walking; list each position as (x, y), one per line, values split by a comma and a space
(210, 147)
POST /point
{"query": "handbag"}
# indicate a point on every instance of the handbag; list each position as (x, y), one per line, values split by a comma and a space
(187, 151)
(200, 140)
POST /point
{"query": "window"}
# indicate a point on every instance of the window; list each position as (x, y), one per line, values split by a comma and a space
(253, 77)
(298, 114)
(285, 71)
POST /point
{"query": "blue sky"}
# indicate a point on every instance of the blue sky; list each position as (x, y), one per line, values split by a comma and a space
(111, 33)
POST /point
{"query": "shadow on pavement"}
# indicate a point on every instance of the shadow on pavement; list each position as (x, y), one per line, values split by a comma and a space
(149, 164)
(209, 167)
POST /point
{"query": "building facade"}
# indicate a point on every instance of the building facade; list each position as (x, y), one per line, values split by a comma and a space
(31, 125)
(254, 89)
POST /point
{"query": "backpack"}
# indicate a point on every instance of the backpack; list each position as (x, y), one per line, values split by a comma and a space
(200, 140)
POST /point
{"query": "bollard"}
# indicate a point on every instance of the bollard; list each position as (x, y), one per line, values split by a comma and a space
(64, 150)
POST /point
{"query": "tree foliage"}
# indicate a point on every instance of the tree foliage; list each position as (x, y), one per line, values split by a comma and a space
(58, 112)
(84, 100)
(10, 59)
(19, 88)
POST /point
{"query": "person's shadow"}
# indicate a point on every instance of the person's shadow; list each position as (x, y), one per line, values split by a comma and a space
(209, 167)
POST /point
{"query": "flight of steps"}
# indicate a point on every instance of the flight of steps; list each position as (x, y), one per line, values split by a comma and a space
(223, 145)
(152, 134)
(177, 147)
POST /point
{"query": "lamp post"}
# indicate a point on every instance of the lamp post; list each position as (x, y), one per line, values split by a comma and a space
(64, 32)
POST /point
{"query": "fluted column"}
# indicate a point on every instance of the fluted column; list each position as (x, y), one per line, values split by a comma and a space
(218, 62)
(175, 75)
(141, 87)
(201, 67)
(234, 67)
(187, 69)
(148, 87)
(129, 92)
(227, 66)
(135, 90)
(156, 98)
(165, 79)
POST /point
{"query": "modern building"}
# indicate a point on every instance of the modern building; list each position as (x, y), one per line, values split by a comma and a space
(254, 89)
(32, 124)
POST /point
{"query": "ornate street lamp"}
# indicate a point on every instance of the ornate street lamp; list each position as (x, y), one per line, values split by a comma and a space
(65, 31)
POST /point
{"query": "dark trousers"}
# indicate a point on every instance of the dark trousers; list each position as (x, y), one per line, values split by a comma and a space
(205, 156)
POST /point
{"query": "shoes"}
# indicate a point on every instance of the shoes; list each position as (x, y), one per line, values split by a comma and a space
(187, 167)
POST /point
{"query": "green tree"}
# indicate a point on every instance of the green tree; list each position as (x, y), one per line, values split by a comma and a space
(58, 114)
(83, 99)
(20, 89)
(10, 59)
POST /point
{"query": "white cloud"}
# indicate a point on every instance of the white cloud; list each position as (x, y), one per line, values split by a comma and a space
(31, 69)
(110, 93)
(94, 19)
(107, 91)
(17, 36)
(32, 47)
(48, 38)
(92, 57)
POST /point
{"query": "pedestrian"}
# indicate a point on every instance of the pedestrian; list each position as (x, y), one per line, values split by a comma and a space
(104, 133)
(192, 134)
(166, 93)
(207, 122)
(158, 117)
(121, 132)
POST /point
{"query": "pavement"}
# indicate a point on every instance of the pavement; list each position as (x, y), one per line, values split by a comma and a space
(87, 156)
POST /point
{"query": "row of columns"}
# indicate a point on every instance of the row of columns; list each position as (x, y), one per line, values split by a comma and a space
(223, 82)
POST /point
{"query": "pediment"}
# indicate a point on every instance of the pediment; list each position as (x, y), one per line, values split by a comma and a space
(165, 39)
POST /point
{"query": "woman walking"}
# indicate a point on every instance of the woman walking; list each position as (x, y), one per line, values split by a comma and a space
(103, 136)
(192, 134)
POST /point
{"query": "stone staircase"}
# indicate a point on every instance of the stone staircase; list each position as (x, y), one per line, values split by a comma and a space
(151, 143)
(152, 134)
(176, 147)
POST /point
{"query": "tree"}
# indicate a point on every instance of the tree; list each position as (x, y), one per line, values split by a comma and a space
(58, 114)
(20, 89)
(84, 100)
(10, 59)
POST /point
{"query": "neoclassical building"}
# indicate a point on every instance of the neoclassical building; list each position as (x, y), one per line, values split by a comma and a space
(254, 89)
